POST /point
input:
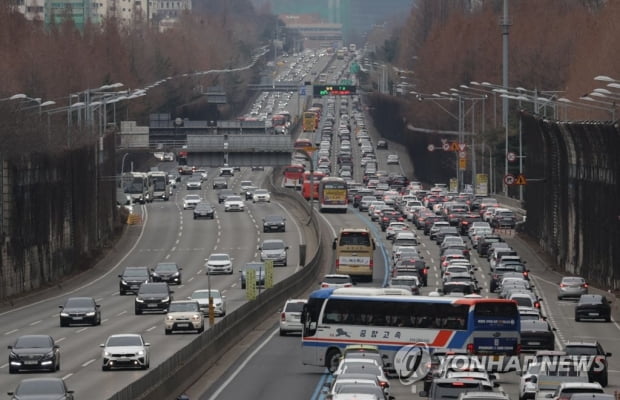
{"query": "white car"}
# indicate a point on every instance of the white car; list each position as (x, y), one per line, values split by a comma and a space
(234, 203)
(202, 173)
(184, 315)
(125, 350)
(190, 201)
(336, 281)
(245, 185)
(261, 195)
(393, 228)
(202, 297)
(393, 159)
(219, 263)
(290, 317)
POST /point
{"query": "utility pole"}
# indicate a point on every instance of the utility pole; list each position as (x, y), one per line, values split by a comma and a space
(505, 24)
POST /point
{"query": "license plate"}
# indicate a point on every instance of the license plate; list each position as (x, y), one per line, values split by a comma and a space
(77, 318)
(183, 325)
(30, 362)
(593, 314)
(151, 305)
(534, 343)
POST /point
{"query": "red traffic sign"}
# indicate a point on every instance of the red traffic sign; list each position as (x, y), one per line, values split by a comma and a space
(509, 179)
(511, 156)
(430, 147)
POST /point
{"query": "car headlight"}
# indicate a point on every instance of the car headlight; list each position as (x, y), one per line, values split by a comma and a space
(49, 354)
(90, 314)
(196, 317)
(64, 314)
(106, 353)
(13, 355)
(166, 299)
(139, 300)
(175, 274)
(140, 352)
(169, 318)
(155, 274)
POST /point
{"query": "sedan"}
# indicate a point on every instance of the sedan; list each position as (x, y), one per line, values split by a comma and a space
(261, 195)
(125, 350)
(572, 286)
(34, 352)
(80, 310)
(42, 389)
(234, 203)
(190, 201)
(202, 297)
(593, 306)
(204, 210)
(274, 223)
(393, 159)
(166, 272)
(219, 263)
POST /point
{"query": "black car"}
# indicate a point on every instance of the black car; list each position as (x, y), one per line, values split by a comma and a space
(42, 389)
(537, 334)
(446, 231)
(34, 352)
(592, 306)
(223, 194)
(167, 272)
(486, 242)
(382, 144)
(132, 278)
(220, 183)
(274, 223)
(153, 296)
(80, 310)
(204, 210)
(598, 370)
(249, 192)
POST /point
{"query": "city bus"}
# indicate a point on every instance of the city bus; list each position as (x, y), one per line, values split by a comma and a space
(157, 182)
(135, 184)
(336, 318)
(310, 121)
(293, 176)
(316, 179)
(333, 194)
(354, 249)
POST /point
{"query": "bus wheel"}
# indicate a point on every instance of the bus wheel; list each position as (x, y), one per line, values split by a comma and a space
(332, 360)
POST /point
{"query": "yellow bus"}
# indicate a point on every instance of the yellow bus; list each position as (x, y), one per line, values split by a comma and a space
(309, 121)
(354, 248)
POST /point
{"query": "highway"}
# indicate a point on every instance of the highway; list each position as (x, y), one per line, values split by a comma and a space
(286, 377)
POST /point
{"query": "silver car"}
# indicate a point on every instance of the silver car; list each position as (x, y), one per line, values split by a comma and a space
(572, 286)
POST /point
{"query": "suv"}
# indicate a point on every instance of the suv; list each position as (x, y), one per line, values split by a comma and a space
(125, 350)
(537, 334)
(593, 306)
(153, 296)
(598, 370)
(275, 250)
(132, 278)
(184, 315)
(290, 317)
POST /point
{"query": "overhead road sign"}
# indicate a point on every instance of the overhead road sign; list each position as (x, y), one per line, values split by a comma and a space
(509, 179)
(335, 89)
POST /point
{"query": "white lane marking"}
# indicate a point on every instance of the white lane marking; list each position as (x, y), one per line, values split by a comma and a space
(69, 375)
(60, 339)
(242, 366)
(12, 331)
(104, 320)
(121, 313)
(97, 300)
(111, 270)
(81, 330)
(151, 328)
(35, 323)
(4, 366)
(190, 279)
(87, 363)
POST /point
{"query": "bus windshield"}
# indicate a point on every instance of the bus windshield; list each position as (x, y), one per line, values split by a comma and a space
(354, 239)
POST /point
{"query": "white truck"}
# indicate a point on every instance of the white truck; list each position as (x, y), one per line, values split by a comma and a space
(543, 378)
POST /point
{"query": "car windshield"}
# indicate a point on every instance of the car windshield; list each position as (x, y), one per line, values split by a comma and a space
(273, 245)
(192, 197)
(219, 257)
(261, 191)
(79, 302)
(233, 198)
(580, 350)
(166, 268)
(404, 282)
(337, 279)
(152, 288)
(115, 341)
(30, 342)
(273, 219)
(254, 266)
(204, 294)
(294, 306)
(135, 273)
(183, 307)
(572, 281)
(32, 387)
